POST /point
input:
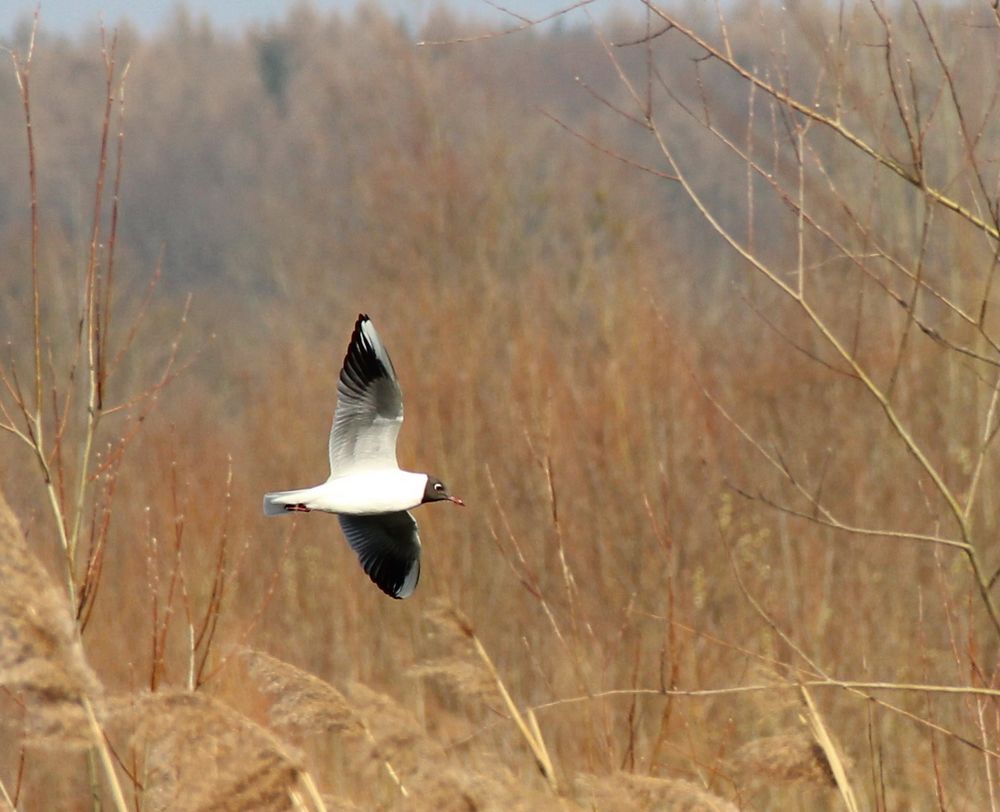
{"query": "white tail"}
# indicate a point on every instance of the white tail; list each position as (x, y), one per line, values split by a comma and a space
(277, 503)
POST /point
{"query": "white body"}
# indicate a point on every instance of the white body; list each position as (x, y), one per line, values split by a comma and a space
(362, 493)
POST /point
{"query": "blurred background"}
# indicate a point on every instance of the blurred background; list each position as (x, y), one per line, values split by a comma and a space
(675, 479)
(69, 18)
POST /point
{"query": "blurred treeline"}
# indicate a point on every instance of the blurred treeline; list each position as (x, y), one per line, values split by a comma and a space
(326, 141)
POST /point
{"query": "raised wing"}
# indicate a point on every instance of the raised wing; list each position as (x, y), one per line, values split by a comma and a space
(369, 406)
(388, 547)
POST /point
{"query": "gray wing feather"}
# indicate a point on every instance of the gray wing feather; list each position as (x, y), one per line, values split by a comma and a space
(388, 547)
(369, 406)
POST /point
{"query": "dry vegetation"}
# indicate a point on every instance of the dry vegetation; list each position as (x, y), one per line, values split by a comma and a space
(695, 310)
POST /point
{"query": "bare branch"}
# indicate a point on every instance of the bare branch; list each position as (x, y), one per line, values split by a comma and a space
(835, 125)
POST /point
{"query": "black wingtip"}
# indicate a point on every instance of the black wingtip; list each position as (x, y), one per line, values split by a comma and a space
(391, 575)
(357, 335)
(388, 591)
(359, 322)
(361, 363)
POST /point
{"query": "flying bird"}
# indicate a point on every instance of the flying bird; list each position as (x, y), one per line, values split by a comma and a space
(367, 490)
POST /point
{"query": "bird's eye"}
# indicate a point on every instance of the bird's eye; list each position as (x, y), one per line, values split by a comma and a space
(438, 486)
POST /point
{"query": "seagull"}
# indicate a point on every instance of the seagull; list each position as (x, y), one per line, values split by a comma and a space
(367, 490)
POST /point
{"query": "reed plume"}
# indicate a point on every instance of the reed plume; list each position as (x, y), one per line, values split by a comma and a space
(460, 669)
(378, 729)
(202, 756)
(786, 757)
(302, 701)
(467, 679)
(306, 704)
(625, 792)
(479, 783)
(392, 731)
(41, 658)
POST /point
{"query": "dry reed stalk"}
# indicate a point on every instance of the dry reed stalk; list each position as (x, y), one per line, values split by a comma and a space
(202, 755)
(624, 792)
(455, 625)
(9, 805)
(831, 751)
(41, 656)
(530, 730)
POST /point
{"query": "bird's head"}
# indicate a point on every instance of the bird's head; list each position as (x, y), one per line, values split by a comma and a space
(437, 491)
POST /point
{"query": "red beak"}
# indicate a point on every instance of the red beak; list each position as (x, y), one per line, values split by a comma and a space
(456, 500)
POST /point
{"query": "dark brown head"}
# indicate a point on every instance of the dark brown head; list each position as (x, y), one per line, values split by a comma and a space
(437, 491)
